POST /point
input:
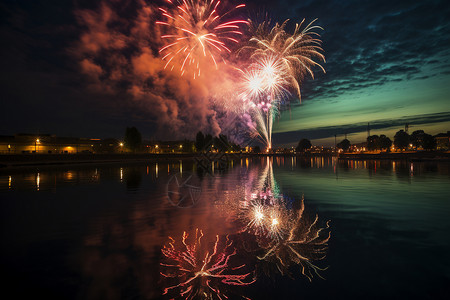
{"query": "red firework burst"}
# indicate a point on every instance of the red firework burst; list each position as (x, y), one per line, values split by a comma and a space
(196, 34)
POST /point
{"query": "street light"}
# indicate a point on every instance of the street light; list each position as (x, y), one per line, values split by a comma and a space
(35, 145)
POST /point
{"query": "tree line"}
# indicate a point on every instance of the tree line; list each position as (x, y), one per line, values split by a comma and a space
(202, 143)
(402, 140)
(205, 143)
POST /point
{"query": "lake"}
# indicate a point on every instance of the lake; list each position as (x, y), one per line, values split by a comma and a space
(258, 228)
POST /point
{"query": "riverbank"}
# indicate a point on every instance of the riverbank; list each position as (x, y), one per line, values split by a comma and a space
(39, 160)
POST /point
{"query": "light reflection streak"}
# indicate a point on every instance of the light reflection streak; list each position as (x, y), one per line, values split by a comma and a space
(285, 236)
(194, 270)
(302, 244)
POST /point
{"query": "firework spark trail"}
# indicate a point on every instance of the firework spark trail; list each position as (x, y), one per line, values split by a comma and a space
(265, 84)
(264, 122)
(199, 271)
(195, 31)
(263, 110)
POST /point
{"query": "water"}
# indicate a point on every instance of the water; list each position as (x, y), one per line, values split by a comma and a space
(96, 232)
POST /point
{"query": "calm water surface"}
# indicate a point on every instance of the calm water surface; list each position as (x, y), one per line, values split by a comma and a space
(97, 232)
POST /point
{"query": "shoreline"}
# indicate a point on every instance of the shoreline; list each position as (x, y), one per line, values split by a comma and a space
(13, 161)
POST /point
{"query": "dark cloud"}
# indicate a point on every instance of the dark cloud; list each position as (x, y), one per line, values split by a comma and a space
(94, 69)
(374, 42)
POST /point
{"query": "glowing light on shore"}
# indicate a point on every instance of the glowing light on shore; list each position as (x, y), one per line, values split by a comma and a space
(38, 181)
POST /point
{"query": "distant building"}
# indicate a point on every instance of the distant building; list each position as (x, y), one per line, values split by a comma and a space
(359, 147)
(443, 141)
(46, 143)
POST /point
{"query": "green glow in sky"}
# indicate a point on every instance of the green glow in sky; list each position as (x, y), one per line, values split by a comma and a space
(390, 101)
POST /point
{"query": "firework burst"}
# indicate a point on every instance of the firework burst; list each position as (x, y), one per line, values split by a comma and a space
(196, 34)
(295, 52)
(199, 272)
(265, 80)
(257, 94)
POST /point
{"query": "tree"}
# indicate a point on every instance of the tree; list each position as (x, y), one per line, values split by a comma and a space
(428, 142)
(373, 142)
(208, 142)
(385, 142)
(235, 147)
(188, 146)
(417, 138)
(303, 145)
(401, 140)
(199, 141)
(133, 138)
(344, 144)
(221, 143)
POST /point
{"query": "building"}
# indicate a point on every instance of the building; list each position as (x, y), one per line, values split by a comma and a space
(443, 141)
(46, 143)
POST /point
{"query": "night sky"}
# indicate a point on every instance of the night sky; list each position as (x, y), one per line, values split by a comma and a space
(78, 68)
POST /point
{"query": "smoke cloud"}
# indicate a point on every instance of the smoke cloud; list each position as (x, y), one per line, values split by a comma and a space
(118, 52)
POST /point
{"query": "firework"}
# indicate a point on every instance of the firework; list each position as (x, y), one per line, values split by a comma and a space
(295, 52)
(265, 80)
(197, 34)
(278, 62)
(199, 271)
(264, 118)
(265, 83)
